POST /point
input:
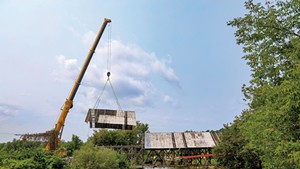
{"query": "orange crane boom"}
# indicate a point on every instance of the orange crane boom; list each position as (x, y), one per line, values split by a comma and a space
(52, 144)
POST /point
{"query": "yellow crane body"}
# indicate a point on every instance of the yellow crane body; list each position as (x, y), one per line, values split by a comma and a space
(54, 141)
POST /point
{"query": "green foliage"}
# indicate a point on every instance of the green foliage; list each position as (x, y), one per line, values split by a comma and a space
(120, 137)
(111, 137)
(56, 162)
(105, 137)
(28, 163)
(25, 154)
(270, 37)
(140, 129)
(72, 145)
(91, 157)
(20, 154)
(232, 152)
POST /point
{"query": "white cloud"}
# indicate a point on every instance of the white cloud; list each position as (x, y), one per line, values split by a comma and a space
(74, 32)
(7, 111)
(166, 72)
(67, 70)
(131, 71)
(169, 99)
(88, 37)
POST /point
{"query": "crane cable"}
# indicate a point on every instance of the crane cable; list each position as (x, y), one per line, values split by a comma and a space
(108, 67)
(100, 96)
(108, 74)
(109, 49)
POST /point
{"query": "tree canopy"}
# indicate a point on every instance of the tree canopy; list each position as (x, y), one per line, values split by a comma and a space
(106, 137)
(92, 157)
(20, 154)
(72, 145)
(270, 36)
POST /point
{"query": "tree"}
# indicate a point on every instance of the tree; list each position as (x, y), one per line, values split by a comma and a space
(106, 137)
(72, 145)
(270, 37)
(140, 129)
(21, 154)
(232, 152)
(91, 157)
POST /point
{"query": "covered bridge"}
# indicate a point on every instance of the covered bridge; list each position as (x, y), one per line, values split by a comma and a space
(176, 148)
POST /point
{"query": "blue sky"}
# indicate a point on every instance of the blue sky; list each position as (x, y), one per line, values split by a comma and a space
(175, 63)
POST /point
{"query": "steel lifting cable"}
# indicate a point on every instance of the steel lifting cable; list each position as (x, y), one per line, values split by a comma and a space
(100, 96)
(109, 49)
(117, 101)
(108, 74)
(107, 64)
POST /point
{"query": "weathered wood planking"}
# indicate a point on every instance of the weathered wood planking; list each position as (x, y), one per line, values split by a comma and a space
(179, 140)
(114, 119)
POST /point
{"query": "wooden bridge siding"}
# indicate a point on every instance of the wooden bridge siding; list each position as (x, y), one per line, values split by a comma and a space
(199, 139)
(105, 118)
(181, 140)
(158, 141)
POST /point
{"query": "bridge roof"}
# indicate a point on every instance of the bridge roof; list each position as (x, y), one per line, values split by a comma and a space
(185, 140)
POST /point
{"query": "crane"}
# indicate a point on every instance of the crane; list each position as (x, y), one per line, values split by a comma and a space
(56, 133)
